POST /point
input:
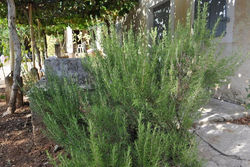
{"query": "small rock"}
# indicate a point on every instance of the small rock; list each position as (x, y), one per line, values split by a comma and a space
(57, 148)
(45, 163)
(8, 112)
(28, 116)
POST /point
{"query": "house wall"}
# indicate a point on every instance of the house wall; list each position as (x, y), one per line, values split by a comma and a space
(237, 42)
(236, 39)
(181, 9)
(241, 42)
(142, 15)
(178, 8)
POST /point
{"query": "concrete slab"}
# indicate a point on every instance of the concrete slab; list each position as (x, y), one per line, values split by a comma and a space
(213, 158)
(224, 144)
(220, 111)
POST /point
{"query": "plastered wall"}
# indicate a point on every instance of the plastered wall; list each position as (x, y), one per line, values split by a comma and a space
(236, 41)
(142, 15)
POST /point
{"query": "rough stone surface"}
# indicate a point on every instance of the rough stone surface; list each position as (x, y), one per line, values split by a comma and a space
(223, 144)
(213, 158)
(220, 111)
(228, 138)
(67, 67)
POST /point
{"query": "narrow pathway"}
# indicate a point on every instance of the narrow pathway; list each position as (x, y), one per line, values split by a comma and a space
(16, 140)
(222, 142)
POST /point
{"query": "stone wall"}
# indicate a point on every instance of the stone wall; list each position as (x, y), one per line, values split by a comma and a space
(71, 68)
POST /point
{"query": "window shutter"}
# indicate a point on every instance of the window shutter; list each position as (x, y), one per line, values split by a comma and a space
(217, 9)
(161, 17)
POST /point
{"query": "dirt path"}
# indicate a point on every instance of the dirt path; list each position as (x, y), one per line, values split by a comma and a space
(16, 140)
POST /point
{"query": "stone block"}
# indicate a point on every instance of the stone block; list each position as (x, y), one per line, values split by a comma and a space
(71, 68)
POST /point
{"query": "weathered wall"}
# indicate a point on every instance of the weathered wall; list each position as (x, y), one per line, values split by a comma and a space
(142, 15)
(71, 68)
(241, 44)
(237, 41)
(181, 9)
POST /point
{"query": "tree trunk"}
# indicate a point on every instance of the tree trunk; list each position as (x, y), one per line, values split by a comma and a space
(108, 25)
(17, 48)
(39, 73)
(33, 43)
(8, 88)
(57, 50)
(45, 44)
(42, 44)
(12, 55)
(61, 45)
(43, 54)
(39, 57)
(39, 45)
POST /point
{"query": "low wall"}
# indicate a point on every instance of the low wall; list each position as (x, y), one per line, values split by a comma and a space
(67, 67)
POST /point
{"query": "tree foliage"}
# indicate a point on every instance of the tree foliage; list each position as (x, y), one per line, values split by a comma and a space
(4, 37)
(57, 14)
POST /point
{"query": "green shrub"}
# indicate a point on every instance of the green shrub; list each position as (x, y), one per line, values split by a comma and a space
(167, 80)
(146, 97)
(29, 79)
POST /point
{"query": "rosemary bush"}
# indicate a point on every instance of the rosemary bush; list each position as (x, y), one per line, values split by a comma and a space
(146, 96)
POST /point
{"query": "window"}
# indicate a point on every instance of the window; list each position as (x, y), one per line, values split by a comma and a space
(216, 9)
(161, 17)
